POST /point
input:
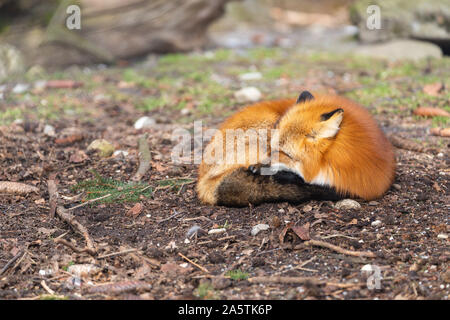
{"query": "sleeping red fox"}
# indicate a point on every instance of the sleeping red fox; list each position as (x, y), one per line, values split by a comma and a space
(326, 147)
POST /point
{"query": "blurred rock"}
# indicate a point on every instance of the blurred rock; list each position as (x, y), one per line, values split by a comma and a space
(425, 19)
(11, 61)
(144, 123)
(102, 146)
(347, 204)
(401, 50)
(248, 94)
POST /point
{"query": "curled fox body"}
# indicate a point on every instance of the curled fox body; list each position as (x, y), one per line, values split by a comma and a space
(326, 147)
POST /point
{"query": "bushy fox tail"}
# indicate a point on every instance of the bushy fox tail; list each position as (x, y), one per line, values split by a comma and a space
(242, 186)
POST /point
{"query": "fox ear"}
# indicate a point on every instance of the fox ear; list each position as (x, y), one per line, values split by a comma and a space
(304, 96)
(329, 123)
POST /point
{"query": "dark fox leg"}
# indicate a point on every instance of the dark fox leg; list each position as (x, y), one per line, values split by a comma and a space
(244, 186)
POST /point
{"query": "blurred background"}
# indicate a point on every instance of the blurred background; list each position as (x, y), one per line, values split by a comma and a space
(34, 32)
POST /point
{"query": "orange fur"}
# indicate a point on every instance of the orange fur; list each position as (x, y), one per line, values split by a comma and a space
(348, 152)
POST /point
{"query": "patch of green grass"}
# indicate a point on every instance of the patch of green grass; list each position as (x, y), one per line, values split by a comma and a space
(443, 122)
(71, 263)
(52, 297)
(119, 191)
(152, 103)
(206, 291)
(237, 274)
(9, 115)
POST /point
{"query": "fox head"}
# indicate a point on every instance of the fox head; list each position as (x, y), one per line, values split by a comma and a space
(305, 133)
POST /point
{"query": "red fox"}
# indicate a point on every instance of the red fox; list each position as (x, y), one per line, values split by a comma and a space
(328, 147)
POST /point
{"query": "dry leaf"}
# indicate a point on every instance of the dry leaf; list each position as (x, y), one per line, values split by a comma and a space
(78, 156)
(440, 132)
(431, 112)
(302, 231)
(135, 211)
(433, 89)
(69, 140)
(16, 188)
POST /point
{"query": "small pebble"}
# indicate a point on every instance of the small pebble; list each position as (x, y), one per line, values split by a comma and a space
(49, 130)
(214, 231)
(442, 236)
(144, 122)
(248, 94)
(397, 186)
(250, 76)
(20, 88)
(347, 204)
(259, 227)
(373, 203)
(376, 223)
(102, 146)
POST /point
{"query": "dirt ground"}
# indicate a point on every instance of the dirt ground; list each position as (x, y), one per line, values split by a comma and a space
(151, 252)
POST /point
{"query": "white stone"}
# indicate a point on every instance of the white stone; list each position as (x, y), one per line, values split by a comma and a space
(120, 153)
(215, 231)
(250, 76)
(347, 204)
(248, 94)
(49, 130)
(376, 223)
(144, 122)
(442, 236)
(259, 227)
(20, 88)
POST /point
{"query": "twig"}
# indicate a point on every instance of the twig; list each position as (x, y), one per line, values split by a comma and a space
(144, 158)
(71, 246)
(192, 262)
(172, 216)
(117, 253)
(44, 285)
(324, 244)
(287, 280)
(53, 192)
(11, 262)
(301, 280)
(70, 219)
(90, 201)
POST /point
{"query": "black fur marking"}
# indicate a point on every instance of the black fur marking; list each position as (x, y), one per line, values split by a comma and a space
(304, 96)
(326, 116)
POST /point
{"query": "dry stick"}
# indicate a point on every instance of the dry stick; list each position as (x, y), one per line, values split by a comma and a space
(324, 244)
(70, 219)
(53, 192)
(144, 158)
(117, 253)
(71, 246)
(192, 262)
(47, 288)
(90, 201)
(301, 280)
(10, 262)
(287, 280)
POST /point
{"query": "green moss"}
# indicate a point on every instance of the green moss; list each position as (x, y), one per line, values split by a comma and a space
(237, 274)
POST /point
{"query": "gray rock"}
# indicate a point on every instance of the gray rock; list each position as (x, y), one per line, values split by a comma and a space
(347, 204)
(248, 94)
(144, 123)
(259, 227)
(403, 18)
(401, 50)
(11, 61)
